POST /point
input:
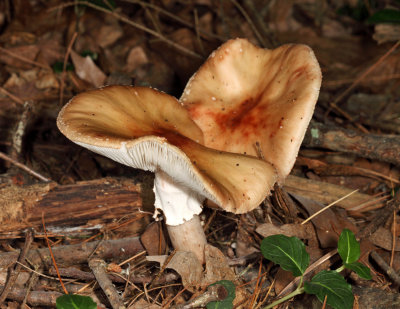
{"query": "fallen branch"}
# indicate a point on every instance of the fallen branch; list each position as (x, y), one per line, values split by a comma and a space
(66, 206)
(35, 298)
(386, 267)
(118, 249)
(98, 267)
(372, 146)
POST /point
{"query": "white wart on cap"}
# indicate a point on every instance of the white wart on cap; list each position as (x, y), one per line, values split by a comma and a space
(243, 95)
(150, 130)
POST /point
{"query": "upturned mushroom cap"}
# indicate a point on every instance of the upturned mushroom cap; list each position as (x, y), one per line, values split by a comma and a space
(251, 95)
(150, 130)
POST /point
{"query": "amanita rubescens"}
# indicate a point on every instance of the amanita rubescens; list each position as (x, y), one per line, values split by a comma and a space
(203, 146)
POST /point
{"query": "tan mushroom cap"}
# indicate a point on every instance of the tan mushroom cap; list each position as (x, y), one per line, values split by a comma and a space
(147, 129)
(255, 95)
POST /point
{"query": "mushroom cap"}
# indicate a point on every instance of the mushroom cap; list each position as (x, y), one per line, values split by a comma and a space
(255, 95)
(147, 129)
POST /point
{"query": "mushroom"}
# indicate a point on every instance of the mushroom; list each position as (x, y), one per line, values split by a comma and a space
(204, 146)
(244, 96)
(150, 130)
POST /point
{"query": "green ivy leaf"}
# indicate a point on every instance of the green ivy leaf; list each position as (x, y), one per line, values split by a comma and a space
(75, 302)
(227, 303)
(385, 16)
(360, 269)
(289, 252)
(348, 247)
(329, 283)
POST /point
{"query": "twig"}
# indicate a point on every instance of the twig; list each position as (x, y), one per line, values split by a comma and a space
(258, 20)
(98, 267)
(394, 236)
(22, 58)
(132, 258)
(215, 292)
(23, 167)
(79, 253)
(14, 273)
(380, 217)
(164, 266)
(197, 29)
(372, 146)
(167, 305)
(52, 255)
(250, 22)
(176, 18)
(11, 96)
(138, 26)
(32, 282)
(35, 298)
(19, 132)
(66, 56)
(392, 274)
(340, 82)
(362, 76)
(257, 287)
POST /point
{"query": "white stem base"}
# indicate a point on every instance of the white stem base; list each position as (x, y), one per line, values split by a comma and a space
(178, 203)
(189, 236)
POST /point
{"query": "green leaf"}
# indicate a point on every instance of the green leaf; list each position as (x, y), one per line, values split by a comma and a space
(360, 269)
(289, 252)
(227, 303)
(109, 4)
(385, 16)
(91, 54)
(58, 67)
(348, 247)
(75, 302)
(329, 283)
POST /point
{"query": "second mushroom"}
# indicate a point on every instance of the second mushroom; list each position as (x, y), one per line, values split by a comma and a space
(204, 145)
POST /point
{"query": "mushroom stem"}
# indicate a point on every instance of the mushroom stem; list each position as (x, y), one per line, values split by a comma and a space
(189, 236)
(181, 207)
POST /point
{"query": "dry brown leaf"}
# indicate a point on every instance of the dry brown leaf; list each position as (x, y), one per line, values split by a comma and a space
(46, 81)
(108, 35)
(142, 304)
(87, 70)
(327, 193)
(386, 33)
(216, 267)
(153, 239)
(327, 224)
(383, 238)
(298, 230)
(189, 268)
(244, 242)
(28, 52)
(136, 57)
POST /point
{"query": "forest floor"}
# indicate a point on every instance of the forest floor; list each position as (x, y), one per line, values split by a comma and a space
(97, 215)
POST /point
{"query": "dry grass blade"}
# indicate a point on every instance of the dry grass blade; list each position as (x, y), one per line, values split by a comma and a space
(326, 207)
